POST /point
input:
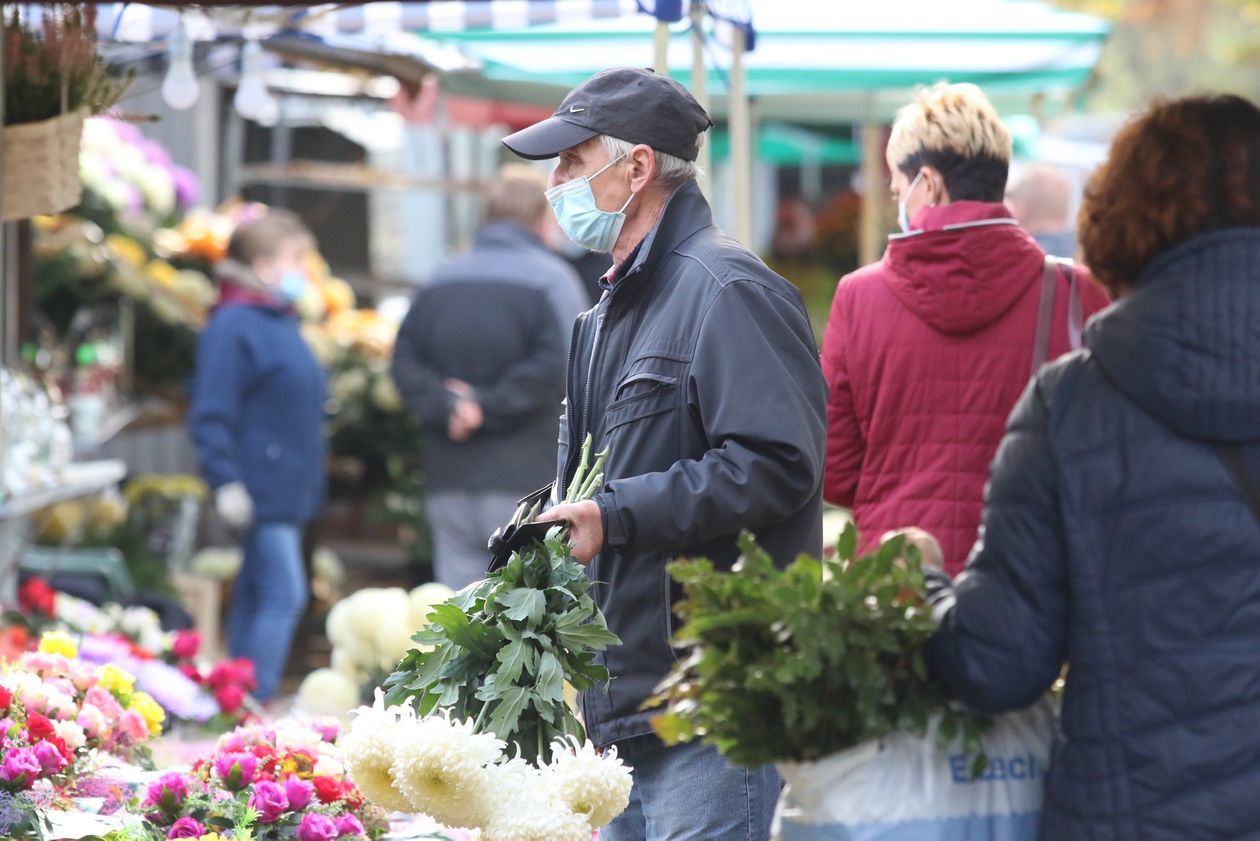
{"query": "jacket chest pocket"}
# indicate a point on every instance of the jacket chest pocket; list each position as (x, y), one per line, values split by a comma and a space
(641, 395)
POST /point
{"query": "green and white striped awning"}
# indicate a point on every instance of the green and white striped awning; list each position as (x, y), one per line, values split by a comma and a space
(819, 60)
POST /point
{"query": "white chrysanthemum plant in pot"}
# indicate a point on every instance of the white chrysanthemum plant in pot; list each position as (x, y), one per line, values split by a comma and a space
(370, 631)
(474, 730)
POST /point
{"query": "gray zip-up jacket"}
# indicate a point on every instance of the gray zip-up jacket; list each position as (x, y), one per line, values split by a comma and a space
(699, 371)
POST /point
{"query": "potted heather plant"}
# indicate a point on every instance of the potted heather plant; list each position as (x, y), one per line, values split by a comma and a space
(53, 79)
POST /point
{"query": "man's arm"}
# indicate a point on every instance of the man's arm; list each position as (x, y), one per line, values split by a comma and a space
(223, 367)
(420, 385)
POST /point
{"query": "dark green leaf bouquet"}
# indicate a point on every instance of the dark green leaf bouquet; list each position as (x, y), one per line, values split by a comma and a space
(797, 664)
(500, 651)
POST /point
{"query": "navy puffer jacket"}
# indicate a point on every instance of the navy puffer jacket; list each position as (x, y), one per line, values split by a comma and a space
(1115, 539)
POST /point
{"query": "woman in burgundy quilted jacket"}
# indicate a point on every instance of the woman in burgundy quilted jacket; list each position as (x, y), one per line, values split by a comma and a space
(927, 350)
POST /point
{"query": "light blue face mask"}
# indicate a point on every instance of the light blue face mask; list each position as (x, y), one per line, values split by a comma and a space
(903, 215)
(292, 285)
(581, 220)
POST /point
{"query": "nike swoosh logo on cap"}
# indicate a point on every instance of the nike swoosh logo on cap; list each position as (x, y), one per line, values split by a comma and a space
(573, 109)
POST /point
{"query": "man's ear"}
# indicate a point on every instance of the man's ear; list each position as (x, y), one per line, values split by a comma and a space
(937, 194)
(642, 163)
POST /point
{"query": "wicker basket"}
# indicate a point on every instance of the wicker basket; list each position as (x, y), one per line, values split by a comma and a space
(41, 166)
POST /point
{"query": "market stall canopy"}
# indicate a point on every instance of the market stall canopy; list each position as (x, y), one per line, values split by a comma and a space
(816, 62)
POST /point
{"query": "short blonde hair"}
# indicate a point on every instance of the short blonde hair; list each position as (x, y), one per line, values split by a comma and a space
(956, 130)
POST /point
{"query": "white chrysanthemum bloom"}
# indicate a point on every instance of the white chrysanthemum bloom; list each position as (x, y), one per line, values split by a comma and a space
(440, 765)
(423, 599)
(368, 753)
(393, 641)
(533, 813)
(344, 661)
(328, 692)
(596, 787)
(337, 626)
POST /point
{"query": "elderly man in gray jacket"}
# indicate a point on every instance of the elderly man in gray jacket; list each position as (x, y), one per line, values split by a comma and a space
(698, 370)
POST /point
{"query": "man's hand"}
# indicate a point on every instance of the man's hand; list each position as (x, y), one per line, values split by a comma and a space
(466, 417)
(586, 527)
(234, 504)
(929, 547)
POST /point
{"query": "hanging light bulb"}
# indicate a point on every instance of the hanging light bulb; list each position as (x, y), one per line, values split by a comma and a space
(252, 96)
(269, 113)
(180, 88)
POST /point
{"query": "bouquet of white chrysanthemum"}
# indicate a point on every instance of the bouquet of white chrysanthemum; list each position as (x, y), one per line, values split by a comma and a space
(443, 768)
(370, 631)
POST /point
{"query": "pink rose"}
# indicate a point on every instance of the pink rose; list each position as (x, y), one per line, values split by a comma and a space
(316, 828)
(167, 793)
(349, 825)
(269, 801)
(50, 759)
(20, 769)
(236, 770)
(92, 720)
(134, 726)
(105, 702)
(186, 828)
(186, 645)
(299, 792)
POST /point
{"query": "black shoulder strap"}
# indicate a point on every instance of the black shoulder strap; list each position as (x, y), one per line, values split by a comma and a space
(1231, 454)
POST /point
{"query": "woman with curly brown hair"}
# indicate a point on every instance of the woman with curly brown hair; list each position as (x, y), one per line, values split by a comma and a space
(1122, 521)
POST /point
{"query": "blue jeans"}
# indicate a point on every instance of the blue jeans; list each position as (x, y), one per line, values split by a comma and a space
(268, 599)
(691, 792)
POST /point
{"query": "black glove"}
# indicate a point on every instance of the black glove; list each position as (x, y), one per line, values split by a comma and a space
(519, 532)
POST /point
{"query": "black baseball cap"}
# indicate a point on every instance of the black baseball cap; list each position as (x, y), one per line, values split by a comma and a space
(630, 103)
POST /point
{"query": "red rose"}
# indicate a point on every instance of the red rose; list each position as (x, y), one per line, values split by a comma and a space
(186, 645)
(40, 727)
(327, 789)
(243, 674)
(230, 697)
(35, 596)
(192, 673)
(6, 698)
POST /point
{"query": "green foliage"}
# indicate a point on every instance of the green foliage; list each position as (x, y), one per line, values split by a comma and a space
(503, 647)
(799, 663)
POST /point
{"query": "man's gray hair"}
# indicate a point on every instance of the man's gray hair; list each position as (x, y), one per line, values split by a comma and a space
(671, 172)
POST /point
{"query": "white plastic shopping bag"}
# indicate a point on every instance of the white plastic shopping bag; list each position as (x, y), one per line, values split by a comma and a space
(912, 789)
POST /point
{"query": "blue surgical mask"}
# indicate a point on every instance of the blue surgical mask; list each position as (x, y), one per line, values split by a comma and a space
(903, 215)
(579, 217)
(292, 285)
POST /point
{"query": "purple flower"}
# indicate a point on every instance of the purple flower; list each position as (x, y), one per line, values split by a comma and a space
(50, 759)
(269, 802)
(20, 768)
(186, 828)
(187, 188)
(126, 131)
(316, 828)
(167, 792)
(349, 825)
(299, 793)
(154, 152)
(236, 770)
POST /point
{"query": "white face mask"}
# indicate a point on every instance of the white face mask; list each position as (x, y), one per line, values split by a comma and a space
(581, 219)
(903, 215)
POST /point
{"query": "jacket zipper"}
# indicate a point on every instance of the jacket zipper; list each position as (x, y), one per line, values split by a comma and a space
(577, 431)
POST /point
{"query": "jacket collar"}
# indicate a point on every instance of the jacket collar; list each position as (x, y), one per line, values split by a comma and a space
(685, 212)
(238, 285)
(956, 216)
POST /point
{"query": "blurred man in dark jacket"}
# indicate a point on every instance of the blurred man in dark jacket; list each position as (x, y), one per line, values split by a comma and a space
(480, 362)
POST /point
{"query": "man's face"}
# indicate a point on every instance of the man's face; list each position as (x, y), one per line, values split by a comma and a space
(610, 187)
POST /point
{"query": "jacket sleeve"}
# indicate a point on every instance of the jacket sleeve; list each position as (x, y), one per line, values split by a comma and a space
(536, 380)
(757, 390)
(223, 373)
(1003, 643)
(845, 445)
(419, 384)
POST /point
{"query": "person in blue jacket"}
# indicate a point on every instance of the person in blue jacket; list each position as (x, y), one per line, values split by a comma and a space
(257, 421)
(1121, 532)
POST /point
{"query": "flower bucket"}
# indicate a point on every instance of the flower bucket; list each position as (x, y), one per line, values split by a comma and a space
(41, 166)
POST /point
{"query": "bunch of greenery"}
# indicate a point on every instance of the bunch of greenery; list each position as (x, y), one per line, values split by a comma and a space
(799, 663)
(56, 68)
(501, 650)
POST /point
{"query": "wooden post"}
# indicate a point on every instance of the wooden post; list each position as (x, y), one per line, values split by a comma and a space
(871, 229)
(700, 90)
(741, 143)
(661, 64)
